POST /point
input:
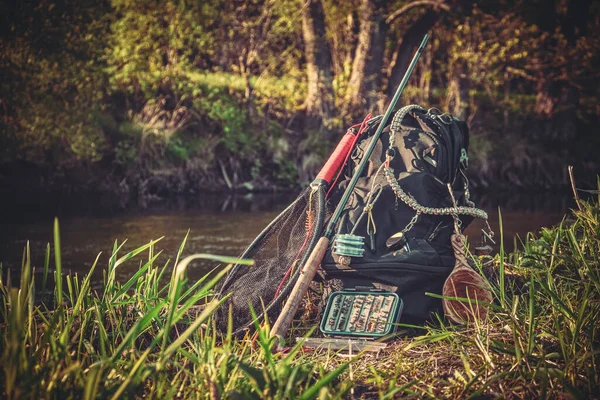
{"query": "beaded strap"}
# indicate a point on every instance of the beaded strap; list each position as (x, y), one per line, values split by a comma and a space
(396, 124)
(412, 203)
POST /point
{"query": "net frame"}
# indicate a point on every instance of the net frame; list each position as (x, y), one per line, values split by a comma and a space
(269, 282)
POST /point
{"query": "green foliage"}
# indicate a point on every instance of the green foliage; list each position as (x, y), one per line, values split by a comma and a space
(86, 81)
(540, 338)
(142, 337)
(279, 94)
(495, 49)
(51, 96)
(176, 151)
(286, 173)
(153, 43)
(232, 120)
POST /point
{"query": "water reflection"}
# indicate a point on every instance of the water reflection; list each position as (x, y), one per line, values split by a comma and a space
(218, 224)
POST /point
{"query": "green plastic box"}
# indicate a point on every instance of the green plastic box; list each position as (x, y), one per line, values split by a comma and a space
(367, 314)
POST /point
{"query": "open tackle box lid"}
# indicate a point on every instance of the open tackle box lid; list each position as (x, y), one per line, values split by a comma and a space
(367, 314)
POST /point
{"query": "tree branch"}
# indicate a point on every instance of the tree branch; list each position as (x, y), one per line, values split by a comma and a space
(417, 3)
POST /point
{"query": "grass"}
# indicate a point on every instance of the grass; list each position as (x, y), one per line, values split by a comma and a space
(284, 92)
(139, 338)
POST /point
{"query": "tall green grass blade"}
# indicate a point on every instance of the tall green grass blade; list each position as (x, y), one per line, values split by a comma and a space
(557, 302)
(555, 243)
(151, 251)
(191, 301)
(102, 334)
(58, 265)
(78, 308)
(70, 291)
(264, 340)
(461, 299)
(136, 330)
(92, 383)
(180, 251)
(532, 317)
(26, 270)
(137, 251)
(112, 262)
(113, 256)
(312, 391)
(501, 266)
(421, 340)
(177, 282)
(206, 313)
(46, 266)
(582, 315)
(110, 281)
(197, 284)
(13, 355)
(135, 278)
(133, 373)
(159, 278)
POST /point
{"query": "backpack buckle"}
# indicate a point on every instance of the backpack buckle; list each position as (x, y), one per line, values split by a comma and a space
(464, 158)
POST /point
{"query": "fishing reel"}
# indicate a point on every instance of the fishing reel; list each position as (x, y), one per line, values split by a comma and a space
(346, 246)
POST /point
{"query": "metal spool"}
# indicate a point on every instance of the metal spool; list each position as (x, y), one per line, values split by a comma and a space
(348, 245)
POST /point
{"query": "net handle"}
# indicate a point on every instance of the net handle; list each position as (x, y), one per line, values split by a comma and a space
(337, 158)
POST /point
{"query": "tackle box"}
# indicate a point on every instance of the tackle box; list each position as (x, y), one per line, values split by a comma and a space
(366, 314)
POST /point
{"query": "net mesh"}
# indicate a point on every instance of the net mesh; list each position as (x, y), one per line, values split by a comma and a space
(279, 252)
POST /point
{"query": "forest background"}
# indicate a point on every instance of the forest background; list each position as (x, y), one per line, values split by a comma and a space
(145, 99)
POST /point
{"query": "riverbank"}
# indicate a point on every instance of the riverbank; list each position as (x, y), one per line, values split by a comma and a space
(34, 194)
(136, 338)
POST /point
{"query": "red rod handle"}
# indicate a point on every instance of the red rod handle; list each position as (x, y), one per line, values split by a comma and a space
(337, 158)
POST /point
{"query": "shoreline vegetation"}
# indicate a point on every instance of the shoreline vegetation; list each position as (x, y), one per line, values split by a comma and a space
(144, 99)
(142, 338)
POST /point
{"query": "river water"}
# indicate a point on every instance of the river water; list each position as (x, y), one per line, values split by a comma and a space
(217, 224)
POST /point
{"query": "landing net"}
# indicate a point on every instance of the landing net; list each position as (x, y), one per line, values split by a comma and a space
(279, 252)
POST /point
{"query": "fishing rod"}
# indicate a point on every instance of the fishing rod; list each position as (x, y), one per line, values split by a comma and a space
(308, 271)
(315, 197)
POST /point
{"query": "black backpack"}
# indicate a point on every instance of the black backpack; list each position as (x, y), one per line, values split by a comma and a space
(405, 252)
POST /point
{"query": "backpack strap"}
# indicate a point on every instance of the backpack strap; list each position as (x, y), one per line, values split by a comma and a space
(459, 145)
(396, 124)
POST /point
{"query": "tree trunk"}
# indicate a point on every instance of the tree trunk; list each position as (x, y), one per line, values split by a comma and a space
(374, 68)
(244, 66)
(457, 98)
(368, 58)
(319, 99)
(344, 44)
(410, 42)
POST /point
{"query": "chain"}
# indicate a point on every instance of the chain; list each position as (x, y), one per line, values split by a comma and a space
(412, 203)
(412, 222)
(457, 221)
(409, 200)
